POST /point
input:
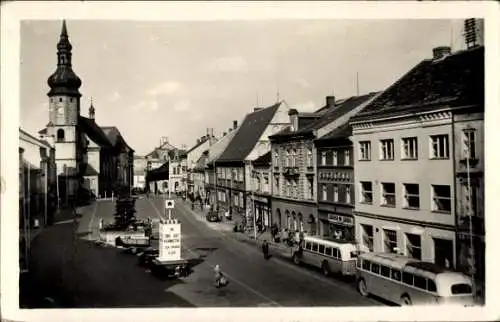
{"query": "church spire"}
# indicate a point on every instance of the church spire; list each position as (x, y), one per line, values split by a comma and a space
(64, 80)
(91, 110)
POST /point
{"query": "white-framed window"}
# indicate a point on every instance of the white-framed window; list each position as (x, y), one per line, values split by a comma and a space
(348, 194)
(236, 200)
(323, 157)
(367, 236)
(409, 148)
(335, 193)
(309, 157)
(439, 146)
(411, 196)
(335, 157)
(276, 158)
(347, 157)
(441, 198)
(469, 144)
(294, 158)
(276, 185)
(287, 158)
(324, 194)
(288, 188)
(295, 192)
(365, 148)
(390, 241)
(414, 246)
(387, 149)
(366, 192)
(388, 194)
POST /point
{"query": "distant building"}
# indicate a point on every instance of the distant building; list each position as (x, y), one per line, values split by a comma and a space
(234, 165)
(405, 145)
(155, 159)
(192, 157)
(262, 189)
(91, 161)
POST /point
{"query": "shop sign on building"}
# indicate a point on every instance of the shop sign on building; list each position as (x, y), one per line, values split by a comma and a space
(339, 219)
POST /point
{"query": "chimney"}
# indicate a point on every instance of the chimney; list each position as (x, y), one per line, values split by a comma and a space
(330, 101)
(235, 124)
(441, 52)
(197, 141)
(294, 119)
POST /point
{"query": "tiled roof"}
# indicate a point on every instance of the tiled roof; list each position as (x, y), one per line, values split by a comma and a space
(114, 136)
(340, 109)
(93, 131)
(248, 134)
(345, 130)
(197, 145)
(218, 147)
(263, 160)
(456, 80)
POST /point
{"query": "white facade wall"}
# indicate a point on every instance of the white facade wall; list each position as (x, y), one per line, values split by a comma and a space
(425, 171)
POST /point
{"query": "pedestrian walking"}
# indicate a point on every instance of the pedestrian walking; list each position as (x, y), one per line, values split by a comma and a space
(265, 249)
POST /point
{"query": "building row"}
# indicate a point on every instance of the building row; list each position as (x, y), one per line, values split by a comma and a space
(400, 170)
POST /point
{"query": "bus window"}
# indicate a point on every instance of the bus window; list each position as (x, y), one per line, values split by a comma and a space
(408, 278)
(375, 268)
(366, 265)
(314, 247)
(328, 251)
(461, 289)
(321, 249)
(358, 263)
(420, 282)
(385, 271)
(308, 245)
(396, 275)
(431, 286)
(336, 253)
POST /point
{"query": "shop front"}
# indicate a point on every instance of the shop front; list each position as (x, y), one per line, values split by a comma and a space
(263, 210)
(295, 215)
(336, 226)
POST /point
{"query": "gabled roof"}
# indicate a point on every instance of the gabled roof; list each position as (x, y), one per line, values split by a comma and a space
(218, 147)
(93, 131)
(114, 136)
(263, 160)
(328, 116)
(456, 80)
(197, 145)
(343, 131)
(164, 146)
(248, 134)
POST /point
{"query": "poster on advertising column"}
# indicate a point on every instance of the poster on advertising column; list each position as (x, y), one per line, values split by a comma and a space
(170, 241)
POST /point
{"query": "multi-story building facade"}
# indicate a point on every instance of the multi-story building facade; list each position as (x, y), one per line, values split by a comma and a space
(157, 161)
(404, 166)
(234, 168)
(192, 157)
(209, 168)
(336, 190)
(177, 172)
(262, 190)
(294, 163)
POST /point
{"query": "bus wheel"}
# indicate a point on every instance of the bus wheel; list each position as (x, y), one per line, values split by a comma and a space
(362, 289)
(296, 259)
(326, 268)
(405, 300)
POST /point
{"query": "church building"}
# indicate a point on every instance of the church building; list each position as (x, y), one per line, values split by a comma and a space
(91, 160)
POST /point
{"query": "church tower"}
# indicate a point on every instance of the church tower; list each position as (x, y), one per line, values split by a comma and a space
(64, 109)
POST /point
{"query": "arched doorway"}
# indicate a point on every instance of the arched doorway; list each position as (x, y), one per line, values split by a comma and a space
(312, 224)
(288, 219)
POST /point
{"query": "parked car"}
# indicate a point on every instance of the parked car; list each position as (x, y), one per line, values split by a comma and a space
(147, 256)
(213, 217)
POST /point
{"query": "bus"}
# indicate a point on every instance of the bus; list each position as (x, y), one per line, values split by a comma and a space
(331, 256)
(407, 281)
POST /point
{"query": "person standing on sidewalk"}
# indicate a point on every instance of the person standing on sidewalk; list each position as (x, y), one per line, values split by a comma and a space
(265, 249)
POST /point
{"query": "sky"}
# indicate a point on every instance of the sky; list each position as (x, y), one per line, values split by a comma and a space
(178, 78)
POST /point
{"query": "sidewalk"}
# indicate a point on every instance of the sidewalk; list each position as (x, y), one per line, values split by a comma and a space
(246, 237)
(60, 216)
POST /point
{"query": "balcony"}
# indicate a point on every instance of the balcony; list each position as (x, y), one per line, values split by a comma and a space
(291, 171)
